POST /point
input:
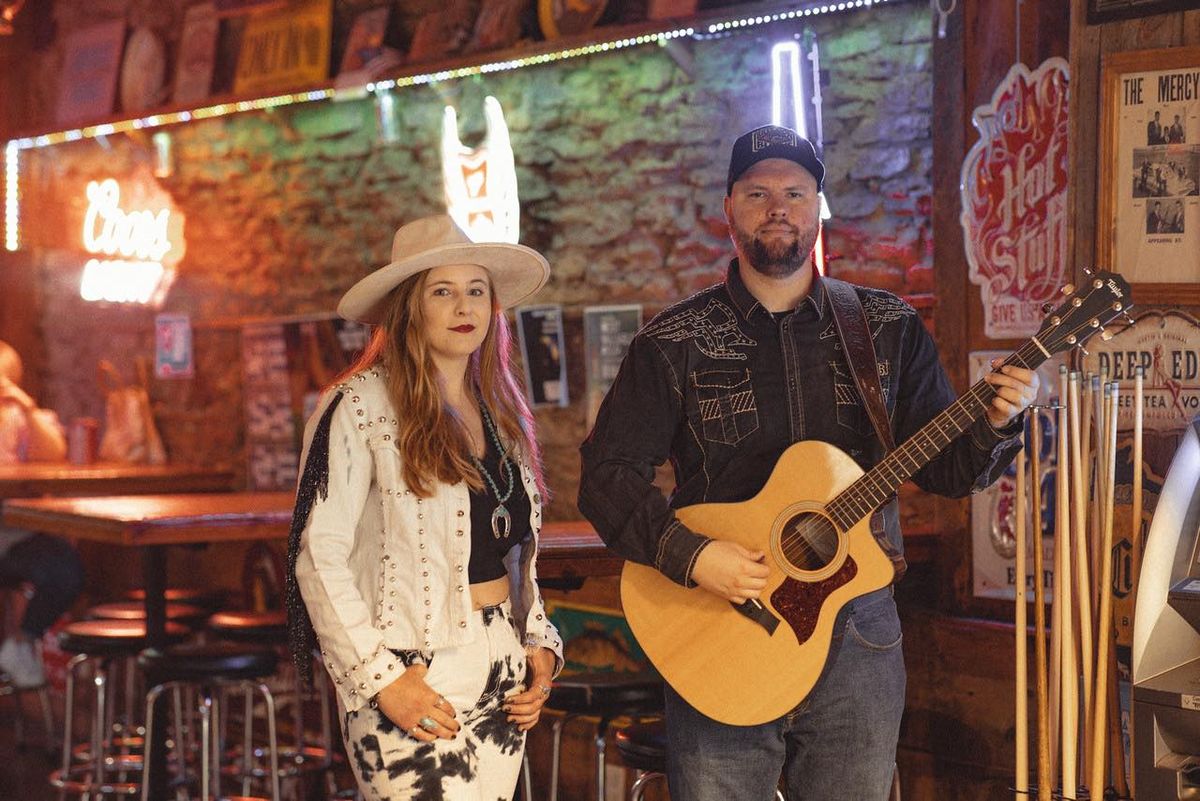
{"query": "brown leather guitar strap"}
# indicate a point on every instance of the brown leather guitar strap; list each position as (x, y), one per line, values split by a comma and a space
(855, 336)
(854, 333)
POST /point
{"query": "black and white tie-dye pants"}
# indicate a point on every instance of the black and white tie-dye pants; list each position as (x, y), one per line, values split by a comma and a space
(482, 762)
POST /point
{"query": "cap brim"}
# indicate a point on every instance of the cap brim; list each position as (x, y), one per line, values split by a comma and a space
(517, 272)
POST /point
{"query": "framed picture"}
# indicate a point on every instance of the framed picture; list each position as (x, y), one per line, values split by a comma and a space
(197, 53)
(1148, 225)
(1108, 10)
(88, 83)
(607, 332)
(541, 333)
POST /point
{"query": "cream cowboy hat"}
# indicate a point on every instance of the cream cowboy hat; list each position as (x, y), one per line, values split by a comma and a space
(516, 271)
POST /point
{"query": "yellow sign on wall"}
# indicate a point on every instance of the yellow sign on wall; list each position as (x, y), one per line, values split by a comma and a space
(287, 49)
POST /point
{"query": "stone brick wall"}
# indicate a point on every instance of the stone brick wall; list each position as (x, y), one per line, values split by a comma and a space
(621, 159)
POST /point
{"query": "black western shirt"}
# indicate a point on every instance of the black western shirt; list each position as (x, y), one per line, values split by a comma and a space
(721, 387)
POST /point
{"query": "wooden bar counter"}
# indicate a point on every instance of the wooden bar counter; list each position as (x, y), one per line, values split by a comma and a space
(37, 479)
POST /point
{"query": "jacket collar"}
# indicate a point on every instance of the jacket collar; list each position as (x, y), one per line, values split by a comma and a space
(752, 310)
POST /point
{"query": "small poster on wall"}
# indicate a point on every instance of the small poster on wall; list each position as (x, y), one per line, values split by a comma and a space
(197, 54)
(1148, 226)
(88, 83)
(173, 346)
(993, 511)
(286, 49)
(607, 331)
(285, 366)
(541, 333)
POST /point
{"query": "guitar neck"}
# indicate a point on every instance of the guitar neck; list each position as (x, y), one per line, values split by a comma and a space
(881, 482)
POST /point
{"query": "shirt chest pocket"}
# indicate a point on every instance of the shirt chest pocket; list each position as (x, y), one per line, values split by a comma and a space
(727, 408)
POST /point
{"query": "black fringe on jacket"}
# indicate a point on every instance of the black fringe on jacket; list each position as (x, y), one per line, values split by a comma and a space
(314, 481)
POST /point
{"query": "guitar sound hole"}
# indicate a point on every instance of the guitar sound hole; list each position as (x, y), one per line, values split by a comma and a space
(809, 541)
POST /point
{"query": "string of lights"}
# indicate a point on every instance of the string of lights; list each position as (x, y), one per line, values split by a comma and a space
(661, 38)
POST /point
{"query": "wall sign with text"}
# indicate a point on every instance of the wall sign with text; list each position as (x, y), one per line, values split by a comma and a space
(1014, 198)
(1166, 345)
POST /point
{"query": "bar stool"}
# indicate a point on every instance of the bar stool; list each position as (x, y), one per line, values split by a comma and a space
(211, 668)
(100, 643)
(212, 600)
(187, 614)
(606, 696)
(270, 628)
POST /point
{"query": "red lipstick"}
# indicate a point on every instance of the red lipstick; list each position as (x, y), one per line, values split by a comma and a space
(466, 328)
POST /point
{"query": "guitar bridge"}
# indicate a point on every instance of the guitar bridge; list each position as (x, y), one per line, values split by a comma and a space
(756, 611)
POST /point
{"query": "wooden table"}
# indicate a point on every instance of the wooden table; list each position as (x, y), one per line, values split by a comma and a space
(568, 550)
(36, 479)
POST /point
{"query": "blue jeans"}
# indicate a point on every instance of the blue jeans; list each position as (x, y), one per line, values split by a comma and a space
(839, 744)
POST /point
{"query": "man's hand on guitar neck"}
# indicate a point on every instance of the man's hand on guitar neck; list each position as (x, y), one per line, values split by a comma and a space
(730, 571)
(1016, 388)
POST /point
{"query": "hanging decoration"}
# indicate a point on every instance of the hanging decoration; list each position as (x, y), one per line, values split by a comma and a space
(481, 183)
(1014, 198)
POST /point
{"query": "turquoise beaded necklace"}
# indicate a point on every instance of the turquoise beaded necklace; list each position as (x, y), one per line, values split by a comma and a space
(501, 519)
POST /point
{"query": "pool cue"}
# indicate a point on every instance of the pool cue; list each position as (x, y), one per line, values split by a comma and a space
(1099, 385)
(1138, 412)
(1079, 505)
(1115, 740)
(1039, 608)
(1057, 604)
(1099, 752)
(1021, 785)
(1064, 589)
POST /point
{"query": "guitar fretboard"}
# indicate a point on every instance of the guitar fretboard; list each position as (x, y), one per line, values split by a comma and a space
(882, 481)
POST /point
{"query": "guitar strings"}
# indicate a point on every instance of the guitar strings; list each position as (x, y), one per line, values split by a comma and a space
(798, 539)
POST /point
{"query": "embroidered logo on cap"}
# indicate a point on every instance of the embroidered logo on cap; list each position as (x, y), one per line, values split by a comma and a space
(765, 137)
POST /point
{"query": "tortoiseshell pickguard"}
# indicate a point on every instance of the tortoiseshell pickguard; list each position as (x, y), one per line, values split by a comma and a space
(799, 602)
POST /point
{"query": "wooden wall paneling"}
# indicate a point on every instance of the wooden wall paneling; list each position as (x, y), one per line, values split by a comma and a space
(1083, 134)
(949, 262)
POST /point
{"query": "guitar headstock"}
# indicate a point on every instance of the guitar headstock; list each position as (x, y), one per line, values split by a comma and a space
(1104, 296)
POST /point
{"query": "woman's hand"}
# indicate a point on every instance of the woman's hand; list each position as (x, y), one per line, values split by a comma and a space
(525, 708)
(417, 708)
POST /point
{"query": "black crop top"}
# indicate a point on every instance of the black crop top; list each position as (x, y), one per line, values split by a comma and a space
(487, 550)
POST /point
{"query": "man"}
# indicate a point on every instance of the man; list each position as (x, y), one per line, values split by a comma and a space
(1175, 132)
(1154, 221)
(1154, 131)
(1175, 226)
(50, 564)
(721, 384)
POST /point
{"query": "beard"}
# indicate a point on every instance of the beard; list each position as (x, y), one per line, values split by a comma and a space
(777, 259)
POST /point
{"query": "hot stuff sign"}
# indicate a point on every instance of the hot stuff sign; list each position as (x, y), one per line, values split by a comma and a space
(1014, 195)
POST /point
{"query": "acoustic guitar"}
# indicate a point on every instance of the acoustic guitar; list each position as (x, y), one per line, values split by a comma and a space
(751, 663)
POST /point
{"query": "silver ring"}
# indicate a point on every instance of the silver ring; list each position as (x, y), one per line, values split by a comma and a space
(545, 688)
(413, 731)
(427, 723)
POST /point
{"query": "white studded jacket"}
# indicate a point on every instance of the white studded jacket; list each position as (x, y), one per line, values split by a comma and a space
(380, 568)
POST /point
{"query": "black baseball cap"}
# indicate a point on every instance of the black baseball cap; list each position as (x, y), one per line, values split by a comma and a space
(773, 142)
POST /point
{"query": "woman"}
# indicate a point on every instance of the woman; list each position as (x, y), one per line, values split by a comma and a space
(416, 523)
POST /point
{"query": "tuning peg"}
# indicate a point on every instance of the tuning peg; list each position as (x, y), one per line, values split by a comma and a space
(1087, 271)
(1083, 350)
(1047, 307)
(1106, 334)
(1068, 289)
(1127, 317)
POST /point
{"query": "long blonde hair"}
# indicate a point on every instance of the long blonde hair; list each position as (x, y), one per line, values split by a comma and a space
(432, 439)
